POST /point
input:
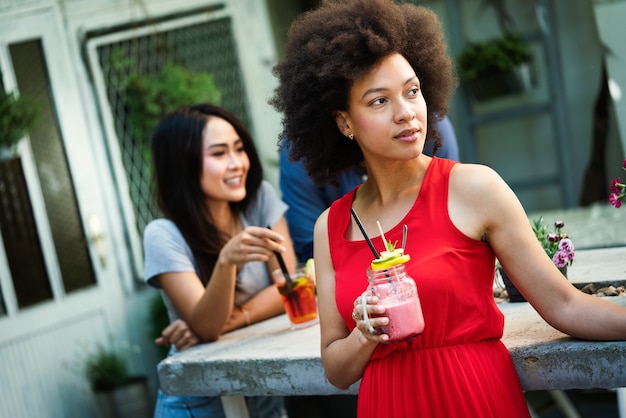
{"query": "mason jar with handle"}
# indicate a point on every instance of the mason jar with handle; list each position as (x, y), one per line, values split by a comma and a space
(397, 292)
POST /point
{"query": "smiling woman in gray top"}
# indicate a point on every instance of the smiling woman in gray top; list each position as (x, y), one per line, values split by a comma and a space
(212, 252)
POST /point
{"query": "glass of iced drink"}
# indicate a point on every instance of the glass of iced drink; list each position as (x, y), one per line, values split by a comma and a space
(298, 295)
(397, 292)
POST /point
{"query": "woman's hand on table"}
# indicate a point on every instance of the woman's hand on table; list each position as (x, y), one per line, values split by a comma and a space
(179, 334)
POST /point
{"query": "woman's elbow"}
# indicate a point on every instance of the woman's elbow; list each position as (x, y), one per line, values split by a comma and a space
(205, 333)
(209, 338)
(340, 381)
(340, 385)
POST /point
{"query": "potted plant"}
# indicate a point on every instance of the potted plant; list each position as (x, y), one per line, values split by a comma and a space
(557, 245)
(17, 116)
(496, 67)
(148, 97)
(118, 394)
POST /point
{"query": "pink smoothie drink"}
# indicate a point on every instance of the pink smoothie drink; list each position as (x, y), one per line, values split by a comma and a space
(405, 320)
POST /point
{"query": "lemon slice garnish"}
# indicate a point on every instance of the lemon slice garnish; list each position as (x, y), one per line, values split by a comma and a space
(381, 264)
(309, 269)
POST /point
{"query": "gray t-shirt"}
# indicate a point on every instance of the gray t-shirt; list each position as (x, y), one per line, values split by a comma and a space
(166, 251)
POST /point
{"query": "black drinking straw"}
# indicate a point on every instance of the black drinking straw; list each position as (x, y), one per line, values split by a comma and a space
(283, 267)
(369, 241)
(288, 285)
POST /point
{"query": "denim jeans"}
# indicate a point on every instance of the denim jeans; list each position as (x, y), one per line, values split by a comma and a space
(211, 407)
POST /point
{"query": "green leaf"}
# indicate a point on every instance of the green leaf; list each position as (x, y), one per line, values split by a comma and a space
(105, 369)
(149, 97)
(17, 116)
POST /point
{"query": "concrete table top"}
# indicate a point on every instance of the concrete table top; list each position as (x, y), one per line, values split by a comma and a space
(547, 359)
(269, 358)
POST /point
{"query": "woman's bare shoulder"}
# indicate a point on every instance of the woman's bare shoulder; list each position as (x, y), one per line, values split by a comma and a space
(477, 180)
(479, 198)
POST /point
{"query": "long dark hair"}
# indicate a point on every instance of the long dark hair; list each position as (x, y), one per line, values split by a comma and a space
(177, 163)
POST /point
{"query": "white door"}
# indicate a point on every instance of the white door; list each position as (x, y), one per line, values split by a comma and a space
(60, 284)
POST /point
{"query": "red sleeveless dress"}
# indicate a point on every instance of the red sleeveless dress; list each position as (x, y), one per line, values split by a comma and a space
(458, 367)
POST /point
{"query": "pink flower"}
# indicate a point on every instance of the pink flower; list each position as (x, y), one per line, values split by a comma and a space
(556, 243)
(552, 237)
(560, 259)
(567, 246)
(615, 201)
(614, 187)
(618, 190)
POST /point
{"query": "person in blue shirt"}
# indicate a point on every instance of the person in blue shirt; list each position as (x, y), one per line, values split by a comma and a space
(307, 201)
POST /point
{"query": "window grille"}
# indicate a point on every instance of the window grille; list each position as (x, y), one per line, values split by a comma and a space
(208, 46)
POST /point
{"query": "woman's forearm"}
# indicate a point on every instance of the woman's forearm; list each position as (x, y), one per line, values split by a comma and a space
(264, 305)
(345, 360)
(215, 307)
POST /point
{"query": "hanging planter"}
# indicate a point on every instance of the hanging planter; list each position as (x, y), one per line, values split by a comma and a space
(496, 67)
(518, 80)
(149, 96)
(17, 117)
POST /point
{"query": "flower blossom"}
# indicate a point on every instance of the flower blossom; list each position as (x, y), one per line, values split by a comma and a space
(557, 244)
(552, 237)
(618, 191)
(615, 200)
(567, 246)
(560, 259)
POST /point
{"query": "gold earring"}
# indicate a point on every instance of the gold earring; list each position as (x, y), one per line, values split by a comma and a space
(351, 136)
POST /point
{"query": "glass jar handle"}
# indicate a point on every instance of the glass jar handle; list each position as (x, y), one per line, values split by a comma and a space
(366, 318)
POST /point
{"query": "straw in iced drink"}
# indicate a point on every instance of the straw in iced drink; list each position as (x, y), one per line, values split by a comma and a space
(397, 294)
(298, 295)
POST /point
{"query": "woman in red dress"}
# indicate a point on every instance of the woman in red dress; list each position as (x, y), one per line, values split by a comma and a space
(363, 83)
